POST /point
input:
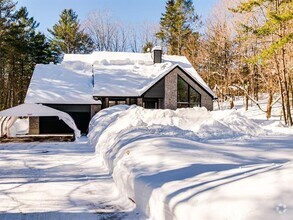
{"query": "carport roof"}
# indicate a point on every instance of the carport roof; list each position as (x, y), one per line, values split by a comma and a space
(37, 110)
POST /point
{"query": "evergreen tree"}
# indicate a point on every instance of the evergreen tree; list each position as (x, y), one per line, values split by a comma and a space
(67, 37)
(177, 24)
(147, 47)
(22, 48)
(6, 8)
(6, 11)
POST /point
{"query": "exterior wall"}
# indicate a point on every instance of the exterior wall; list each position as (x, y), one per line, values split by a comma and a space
(106, 102)
(171, 90)
(161, 104)
(34, 125)
(157, 91)
(139, 102)
(95, 109)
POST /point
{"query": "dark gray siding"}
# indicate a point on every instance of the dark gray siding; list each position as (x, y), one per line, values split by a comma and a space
(157, 91)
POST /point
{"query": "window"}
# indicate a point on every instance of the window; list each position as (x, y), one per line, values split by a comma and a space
(117, 101)
(182, 93)
(194, 98)
(133, 101)
(186, 95)
(150, 103)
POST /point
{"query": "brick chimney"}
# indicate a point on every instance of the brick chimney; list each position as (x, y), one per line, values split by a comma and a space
(157, 54)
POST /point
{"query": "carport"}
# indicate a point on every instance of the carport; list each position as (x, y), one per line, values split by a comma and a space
(34, 110)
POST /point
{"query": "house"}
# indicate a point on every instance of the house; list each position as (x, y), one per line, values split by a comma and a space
(83, 84)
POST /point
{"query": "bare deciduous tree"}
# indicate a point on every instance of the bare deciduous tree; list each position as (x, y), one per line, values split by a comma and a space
(110, 35)
(106, 33)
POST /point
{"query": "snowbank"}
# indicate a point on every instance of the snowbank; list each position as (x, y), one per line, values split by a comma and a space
(275, 125)
(20, 127)
(194, 123)
(159, 160)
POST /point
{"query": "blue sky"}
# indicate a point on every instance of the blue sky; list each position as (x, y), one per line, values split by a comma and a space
(128, 11)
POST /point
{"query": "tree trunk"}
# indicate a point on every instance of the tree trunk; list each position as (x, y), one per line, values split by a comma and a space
(291, 88)
(281, 90)
(269, 105)
(246, 102)
(286, 87)
(231, 103)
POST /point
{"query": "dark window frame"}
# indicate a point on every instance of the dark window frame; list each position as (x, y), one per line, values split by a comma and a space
(187, 104)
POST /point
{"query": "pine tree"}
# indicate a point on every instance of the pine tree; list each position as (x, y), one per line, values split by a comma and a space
(147, 47)
(23, 48)
(177, 24)
(67, 36)
(6, 11)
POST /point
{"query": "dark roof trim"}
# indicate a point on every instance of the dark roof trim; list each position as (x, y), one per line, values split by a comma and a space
(99, 96)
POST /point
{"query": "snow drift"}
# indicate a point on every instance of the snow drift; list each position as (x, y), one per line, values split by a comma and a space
(170, 164)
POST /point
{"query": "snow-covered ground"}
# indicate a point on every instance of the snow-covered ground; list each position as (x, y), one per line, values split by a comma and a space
(195, 164)
(57, 181)
(183, 164)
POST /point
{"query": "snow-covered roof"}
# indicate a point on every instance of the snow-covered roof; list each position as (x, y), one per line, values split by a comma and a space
(131, 74)
(61, 84)
(118, 74)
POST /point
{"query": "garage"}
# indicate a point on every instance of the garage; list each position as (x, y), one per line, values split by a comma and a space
(81, 115)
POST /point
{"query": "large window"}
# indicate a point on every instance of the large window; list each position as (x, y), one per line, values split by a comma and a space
(186, 95)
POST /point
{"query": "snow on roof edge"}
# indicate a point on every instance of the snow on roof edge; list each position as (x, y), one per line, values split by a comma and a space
(40, 91)
(166, 72)
(162, 75)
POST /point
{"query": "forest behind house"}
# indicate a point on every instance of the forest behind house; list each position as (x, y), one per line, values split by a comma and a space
(244, 48)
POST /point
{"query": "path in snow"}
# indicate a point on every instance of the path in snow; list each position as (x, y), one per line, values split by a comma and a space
(56, 181)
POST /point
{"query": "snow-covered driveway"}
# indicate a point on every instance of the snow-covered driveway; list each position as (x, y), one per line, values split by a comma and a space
(56, 181)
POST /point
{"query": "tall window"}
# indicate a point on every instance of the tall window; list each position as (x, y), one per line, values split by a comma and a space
(186, 95)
